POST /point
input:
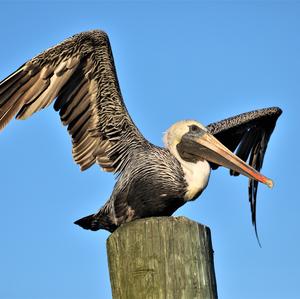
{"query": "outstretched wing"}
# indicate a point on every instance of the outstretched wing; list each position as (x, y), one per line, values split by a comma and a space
(248, 135)
(80, 74)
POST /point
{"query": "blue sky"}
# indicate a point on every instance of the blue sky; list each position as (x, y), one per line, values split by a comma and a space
(199, 60)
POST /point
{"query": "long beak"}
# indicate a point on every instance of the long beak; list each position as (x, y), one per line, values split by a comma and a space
(214, 151)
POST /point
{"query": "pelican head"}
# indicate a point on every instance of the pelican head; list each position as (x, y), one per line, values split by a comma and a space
(191, 143)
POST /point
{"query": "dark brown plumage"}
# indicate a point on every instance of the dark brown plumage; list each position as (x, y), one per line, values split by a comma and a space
(79, 74)
(248, 135)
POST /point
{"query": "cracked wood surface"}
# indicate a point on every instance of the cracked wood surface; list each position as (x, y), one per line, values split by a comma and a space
(161, 257)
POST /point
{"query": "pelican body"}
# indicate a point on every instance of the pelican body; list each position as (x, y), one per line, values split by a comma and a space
(79, 75)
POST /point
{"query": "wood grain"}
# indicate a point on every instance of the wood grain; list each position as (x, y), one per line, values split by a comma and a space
(161, 257)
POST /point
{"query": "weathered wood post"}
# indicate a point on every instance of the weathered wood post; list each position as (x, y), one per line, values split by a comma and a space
(161, 257)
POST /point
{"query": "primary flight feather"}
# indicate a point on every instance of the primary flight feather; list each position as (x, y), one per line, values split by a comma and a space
(80, 76)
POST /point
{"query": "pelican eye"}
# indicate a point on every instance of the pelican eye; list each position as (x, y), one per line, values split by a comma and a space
(194, 129)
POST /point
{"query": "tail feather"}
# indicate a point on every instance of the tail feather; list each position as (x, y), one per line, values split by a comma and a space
(88, 222)
(95, 222)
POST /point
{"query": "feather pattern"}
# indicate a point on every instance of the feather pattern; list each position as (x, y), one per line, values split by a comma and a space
(248, 135)
(80, 74)
(145, 189)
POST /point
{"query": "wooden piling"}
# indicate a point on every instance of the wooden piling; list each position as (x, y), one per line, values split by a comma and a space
(161, 257)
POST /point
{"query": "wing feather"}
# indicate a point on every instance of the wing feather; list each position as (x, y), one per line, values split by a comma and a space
(9, 81)
(248, 135)
(79, 74)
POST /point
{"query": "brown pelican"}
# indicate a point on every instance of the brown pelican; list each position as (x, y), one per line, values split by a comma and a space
(79, 74)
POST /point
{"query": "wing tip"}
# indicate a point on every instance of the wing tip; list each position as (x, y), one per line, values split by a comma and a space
(278, 111)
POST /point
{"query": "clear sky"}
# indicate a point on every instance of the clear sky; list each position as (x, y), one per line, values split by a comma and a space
(199, 60)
